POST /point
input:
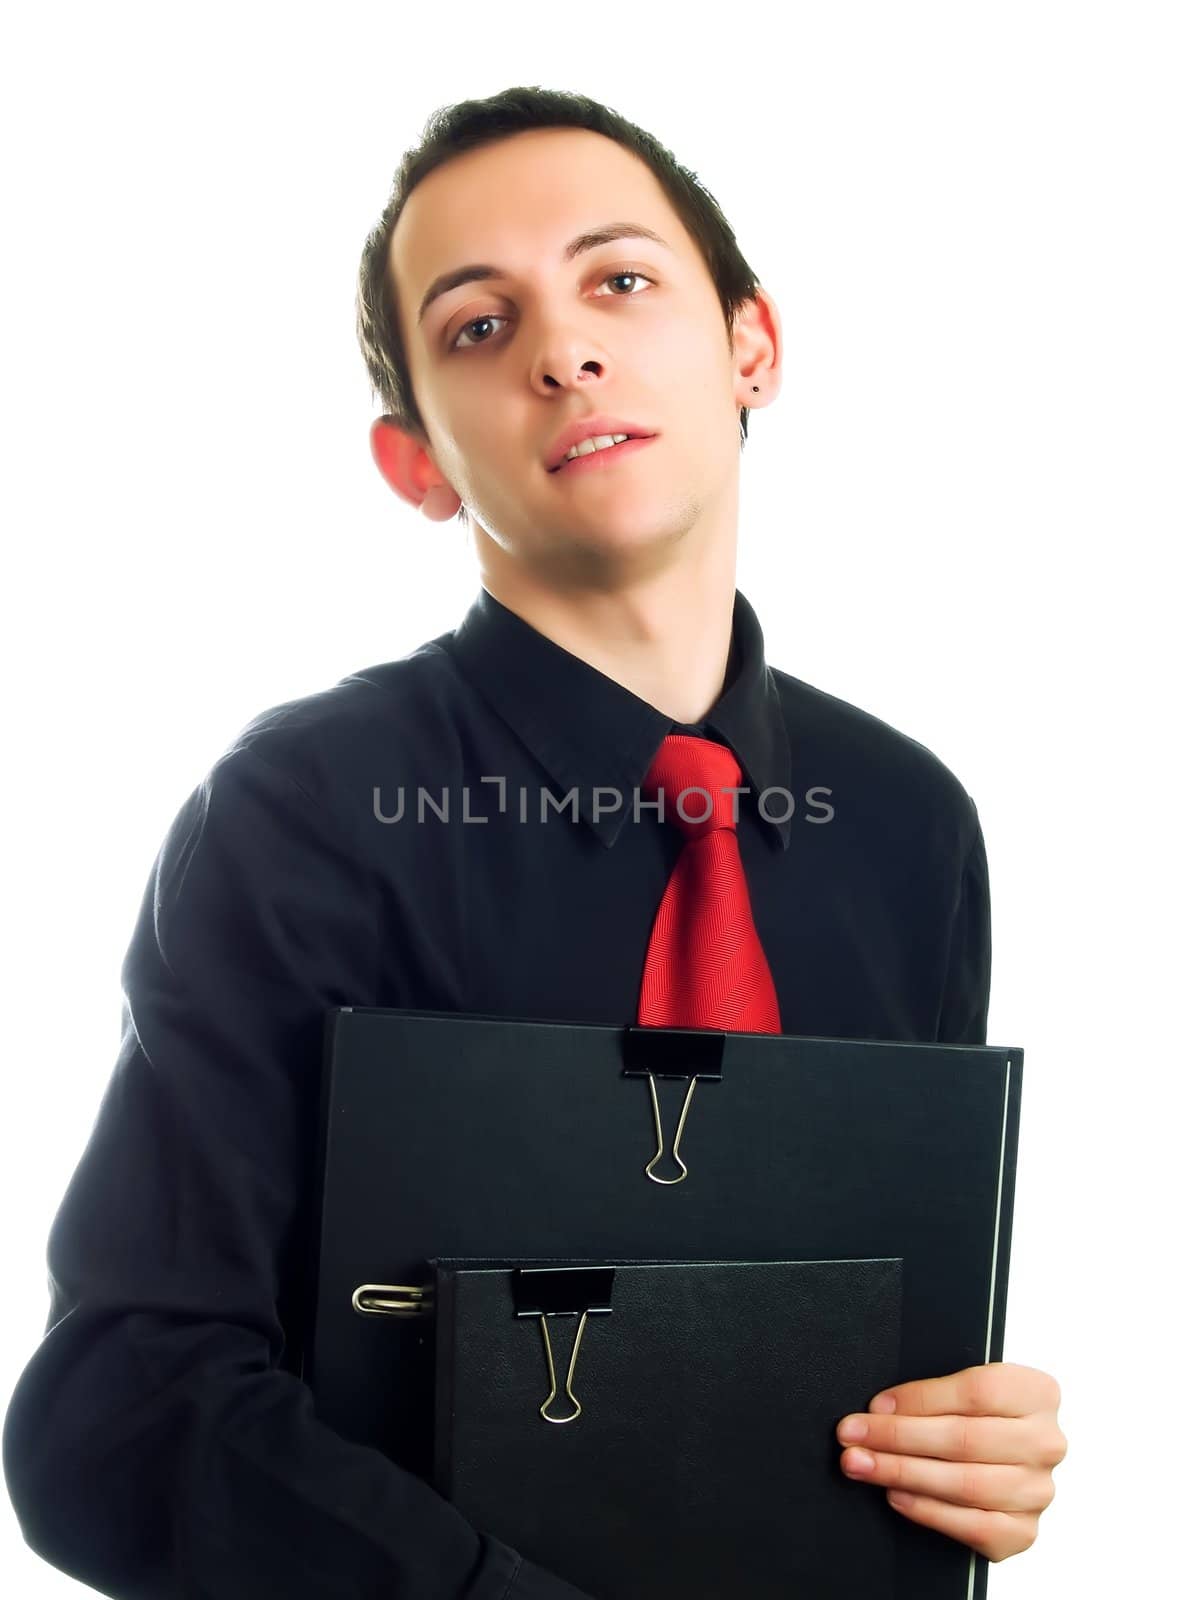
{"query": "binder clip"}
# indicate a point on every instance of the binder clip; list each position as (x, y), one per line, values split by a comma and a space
(693, 1053)
(560, 1292)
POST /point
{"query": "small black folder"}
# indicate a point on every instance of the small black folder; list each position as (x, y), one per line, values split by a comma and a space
(670, 1490)
(634, 1376)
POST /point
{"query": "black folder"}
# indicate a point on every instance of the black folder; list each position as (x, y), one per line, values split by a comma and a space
(634, 1377)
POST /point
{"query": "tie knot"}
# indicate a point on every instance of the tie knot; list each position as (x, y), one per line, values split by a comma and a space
(691, 773)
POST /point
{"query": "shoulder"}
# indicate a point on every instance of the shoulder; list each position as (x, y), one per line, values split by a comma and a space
(878, 772)
(390, 702)
(376, 726)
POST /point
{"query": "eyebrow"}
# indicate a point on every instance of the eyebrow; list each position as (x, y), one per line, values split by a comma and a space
(591, 240)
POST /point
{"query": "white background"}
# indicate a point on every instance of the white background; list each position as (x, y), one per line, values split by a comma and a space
(970, 511)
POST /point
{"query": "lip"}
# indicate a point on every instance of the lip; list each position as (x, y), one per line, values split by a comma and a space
(585, 428)
(598, 460)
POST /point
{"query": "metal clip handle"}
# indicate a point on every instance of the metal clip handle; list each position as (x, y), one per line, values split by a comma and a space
(651, 1051)
(657, 1157)
(393, 1299)
(562, 1292)
(549, 1400)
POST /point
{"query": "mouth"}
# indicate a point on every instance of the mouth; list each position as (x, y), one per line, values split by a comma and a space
(610, 456)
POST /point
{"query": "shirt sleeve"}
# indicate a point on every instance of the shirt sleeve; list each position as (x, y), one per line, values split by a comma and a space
(967, 987)
(154, 1446)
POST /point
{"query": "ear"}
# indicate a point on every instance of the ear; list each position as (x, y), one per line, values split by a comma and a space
(407, 468)
(758, 349)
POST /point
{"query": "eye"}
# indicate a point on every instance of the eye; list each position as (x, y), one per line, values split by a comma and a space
(621, 272)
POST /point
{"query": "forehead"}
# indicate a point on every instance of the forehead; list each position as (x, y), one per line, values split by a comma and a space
(518, 200)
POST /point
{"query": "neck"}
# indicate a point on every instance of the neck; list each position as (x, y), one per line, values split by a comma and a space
(666, 638)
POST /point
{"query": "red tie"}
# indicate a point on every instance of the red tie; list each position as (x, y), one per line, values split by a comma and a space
(705, 967)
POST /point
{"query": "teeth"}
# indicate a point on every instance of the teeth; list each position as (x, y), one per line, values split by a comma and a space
(587, 447)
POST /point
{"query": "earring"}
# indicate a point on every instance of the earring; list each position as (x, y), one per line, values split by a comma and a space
(756, 388)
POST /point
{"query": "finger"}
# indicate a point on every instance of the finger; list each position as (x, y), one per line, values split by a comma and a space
(993, 1534)
(998, 1389)
(1014, 1440)
(968, 1483)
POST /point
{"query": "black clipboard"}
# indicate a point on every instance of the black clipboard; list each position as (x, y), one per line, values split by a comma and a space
(849, 1200)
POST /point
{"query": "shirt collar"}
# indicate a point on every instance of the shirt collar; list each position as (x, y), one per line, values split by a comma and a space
(590, 732)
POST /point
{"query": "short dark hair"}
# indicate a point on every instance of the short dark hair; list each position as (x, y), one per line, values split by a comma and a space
(453, 129)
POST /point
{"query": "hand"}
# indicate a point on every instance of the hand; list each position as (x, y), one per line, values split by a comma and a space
(969, 1454)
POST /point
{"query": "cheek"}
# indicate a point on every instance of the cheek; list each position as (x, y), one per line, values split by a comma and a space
(471, 454)
(692, 350)
(697, 369)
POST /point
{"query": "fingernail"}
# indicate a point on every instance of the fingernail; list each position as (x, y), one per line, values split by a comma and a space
(859, 1461)
(856, 1428)
(883, 1402)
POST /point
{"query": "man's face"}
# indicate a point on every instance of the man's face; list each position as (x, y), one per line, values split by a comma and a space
(500, 367)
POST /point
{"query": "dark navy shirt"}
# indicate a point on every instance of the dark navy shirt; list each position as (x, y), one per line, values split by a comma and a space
(160, 1442)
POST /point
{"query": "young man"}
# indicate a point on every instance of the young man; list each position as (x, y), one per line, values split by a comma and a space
(160, 1441)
